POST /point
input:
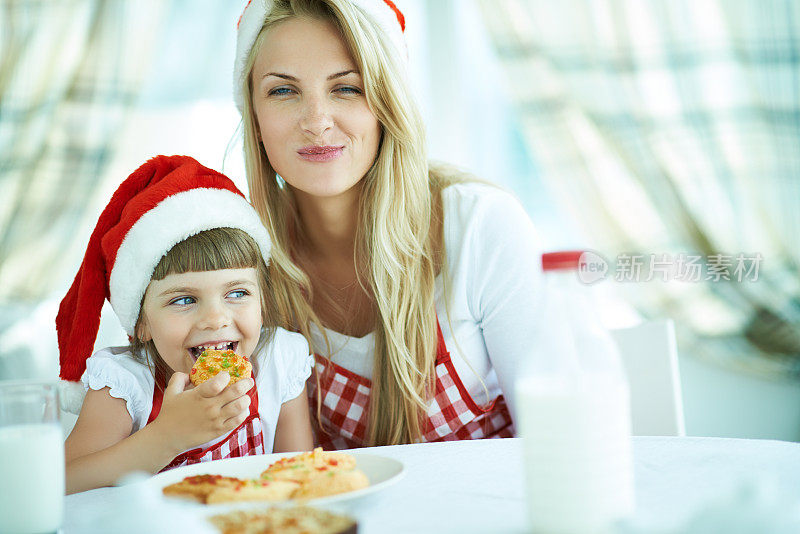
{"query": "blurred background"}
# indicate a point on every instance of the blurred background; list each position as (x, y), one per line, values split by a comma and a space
(662, 134)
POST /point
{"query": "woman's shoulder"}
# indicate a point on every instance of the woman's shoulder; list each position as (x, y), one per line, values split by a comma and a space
(479, 209)
(468, 199)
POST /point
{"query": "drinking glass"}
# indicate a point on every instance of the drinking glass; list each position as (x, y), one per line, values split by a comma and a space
(31, 458)
(577, 456)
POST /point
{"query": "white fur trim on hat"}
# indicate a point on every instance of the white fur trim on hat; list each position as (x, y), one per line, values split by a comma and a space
(174, 219)
(255, 12)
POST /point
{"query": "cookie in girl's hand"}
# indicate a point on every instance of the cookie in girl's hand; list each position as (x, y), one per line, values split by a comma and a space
(211, 362)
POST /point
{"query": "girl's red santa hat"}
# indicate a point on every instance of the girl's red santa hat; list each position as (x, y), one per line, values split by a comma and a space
(165, 201)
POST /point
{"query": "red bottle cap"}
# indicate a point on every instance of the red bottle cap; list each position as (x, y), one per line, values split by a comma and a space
(561, 261)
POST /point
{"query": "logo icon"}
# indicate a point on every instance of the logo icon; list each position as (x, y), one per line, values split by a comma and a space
(592, 267)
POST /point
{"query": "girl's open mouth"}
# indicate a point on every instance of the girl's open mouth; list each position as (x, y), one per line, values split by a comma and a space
(227, 345)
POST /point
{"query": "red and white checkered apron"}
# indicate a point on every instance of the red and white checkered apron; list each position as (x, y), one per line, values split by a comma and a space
(246, 440)
(452, 413)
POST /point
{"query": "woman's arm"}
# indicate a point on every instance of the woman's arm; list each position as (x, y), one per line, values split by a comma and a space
(506, 286)
(293, 431)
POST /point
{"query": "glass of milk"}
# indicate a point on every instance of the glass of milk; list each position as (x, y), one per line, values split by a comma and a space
(576, 454)
(31, 458)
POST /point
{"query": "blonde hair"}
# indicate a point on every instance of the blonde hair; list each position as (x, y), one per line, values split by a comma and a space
(210, 250)
(398, 241)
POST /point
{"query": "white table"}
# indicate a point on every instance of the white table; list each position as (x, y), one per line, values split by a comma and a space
(477, 486)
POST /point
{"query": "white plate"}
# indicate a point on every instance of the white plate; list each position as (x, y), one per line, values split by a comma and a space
(380, 471)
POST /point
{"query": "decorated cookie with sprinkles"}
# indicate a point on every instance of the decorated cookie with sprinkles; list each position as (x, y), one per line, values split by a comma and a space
(210, 362)
(318, 473)
(199, 487)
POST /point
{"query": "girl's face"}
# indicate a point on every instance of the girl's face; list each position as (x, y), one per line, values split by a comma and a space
(186, 313)
(308, 97)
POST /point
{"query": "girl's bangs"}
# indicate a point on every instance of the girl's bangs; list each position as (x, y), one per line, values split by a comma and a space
(211, 250)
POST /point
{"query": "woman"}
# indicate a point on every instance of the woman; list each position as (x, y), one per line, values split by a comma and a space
(386, 264)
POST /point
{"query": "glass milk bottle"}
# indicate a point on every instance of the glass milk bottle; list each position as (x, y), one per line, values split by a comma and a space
(574, 413)
(31, 458)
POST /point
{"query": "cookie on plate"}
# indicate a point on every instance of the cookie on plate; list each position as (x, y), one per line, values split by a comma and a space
(254, 490)
(331, 483)
(304, 466)
(199, 487)
(319, 473)
(294, 520)
(211, 362)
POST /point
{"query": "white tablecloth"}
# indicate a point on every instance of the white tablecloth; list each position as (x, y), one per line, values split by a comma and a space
(477, 486)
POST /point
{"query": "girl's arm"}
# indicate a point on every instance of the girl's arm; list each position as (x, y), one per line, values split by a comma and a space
(293, 431)
(101, 449)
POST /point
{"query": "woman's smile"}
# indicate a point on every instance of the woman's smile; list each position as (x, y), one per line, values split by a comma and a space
(320, 154)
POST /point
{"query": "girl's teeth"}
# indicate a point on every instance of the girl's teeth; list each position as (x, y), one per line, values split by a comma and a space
(220, 346)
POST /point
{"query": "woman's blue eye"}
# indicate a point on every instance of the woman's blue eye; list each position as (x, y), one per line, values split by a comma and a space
(284, 91)
(350, 89)
(280, 91)
(183, 301)
(239, 293)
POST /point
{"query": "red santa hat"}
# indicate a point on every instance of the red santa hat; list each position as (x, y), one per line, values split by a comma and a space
(387, 16)
(165, 201)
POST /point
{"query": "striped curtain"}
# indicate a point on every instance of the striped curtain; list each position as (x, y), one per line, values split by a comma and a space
(70, 70)
(671, 129)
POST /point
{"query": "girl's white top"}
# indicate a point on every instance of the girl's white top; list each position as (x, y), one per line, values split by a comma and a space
(281, 369)
(493, 321)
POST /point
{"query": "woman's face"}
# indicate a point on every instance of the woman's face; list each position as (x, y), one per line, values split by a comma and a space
(308, 96)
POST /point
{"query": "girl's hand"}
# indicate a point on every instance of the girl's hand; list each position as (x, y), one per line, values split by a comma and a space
(190, 418)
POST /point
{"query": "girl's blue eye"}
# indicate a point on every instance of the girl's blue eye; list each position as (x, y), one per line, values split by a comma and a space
(239, 293)
(183, 301)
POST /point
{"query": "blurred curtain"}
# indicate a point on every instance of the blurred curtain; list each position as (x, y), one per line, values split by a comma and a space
(672, 127)
(70, 70)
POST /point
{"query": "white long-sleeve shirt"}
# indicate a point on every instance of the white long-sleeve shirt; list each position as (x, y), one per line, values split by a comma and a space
(494, 281)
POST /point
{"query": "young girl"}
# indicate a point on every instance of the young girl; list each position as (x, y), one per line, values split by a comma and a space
(181, 256)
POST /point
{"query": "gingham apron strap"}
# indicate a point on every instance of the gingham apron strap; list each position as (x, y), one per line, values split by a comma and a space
(247, 441)
(345, 401)
(342, 389)
(448, 378)
(442, 354)
(223, 448)
(235, 445)
(158, 398)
